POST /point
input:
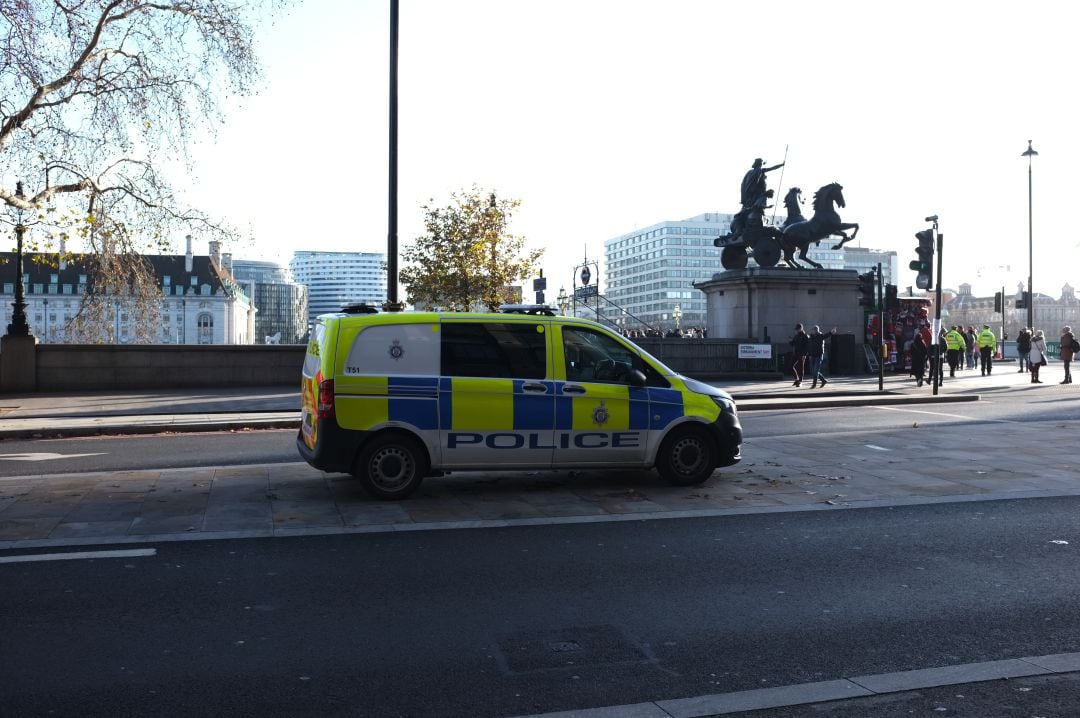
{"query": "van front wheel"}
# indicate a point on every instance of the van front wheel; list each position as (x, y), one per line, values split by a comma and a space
(391, 466)
(687, 457)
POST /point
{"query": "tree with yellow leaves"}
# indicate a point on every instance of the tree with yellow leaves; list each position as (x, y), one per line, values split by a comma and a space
(467, 258)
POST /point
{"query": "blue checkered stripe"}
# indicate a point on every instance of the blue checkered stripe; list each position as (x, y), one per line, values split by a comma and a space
(427, 404)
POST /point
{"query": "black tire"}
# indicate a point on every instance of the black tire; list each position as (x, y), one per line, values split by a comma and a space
(391, 466)
(687, 457)
(733, 257)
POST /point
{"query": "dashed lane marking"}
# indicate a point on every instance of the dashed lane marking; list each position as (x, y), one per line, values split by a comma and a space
(45, 456)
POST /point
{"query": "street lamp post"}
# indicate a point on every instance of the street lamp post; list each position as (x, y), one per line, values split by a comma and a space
(18, 326)
(1029, 153)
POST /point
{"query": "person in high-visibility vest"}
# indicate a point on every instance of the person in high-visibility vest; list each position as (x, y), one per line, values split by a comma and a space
(954, 349)
(987, 345)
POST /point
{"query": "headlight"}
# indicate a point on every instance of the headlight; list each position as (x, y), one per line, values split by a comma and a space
(726, 404)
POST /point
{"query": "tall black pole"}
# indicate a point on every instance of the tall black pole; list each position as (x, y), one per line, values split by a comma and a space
(1001, 336)
(392, 304)
(883, 354)
(18, 326)
(938, 369)
(1029, 153)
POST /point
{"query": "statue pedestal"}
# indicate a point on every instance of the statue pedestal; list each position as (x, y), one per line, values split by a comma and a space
(18, 364)
(755, 303)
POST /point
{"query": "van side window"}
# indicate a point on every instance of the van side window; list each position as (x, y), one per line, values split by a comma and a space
(485, 349)
(594, 356)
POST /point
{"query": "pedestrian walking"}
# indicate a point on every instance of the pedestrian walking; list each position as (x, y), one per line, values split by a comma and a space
(817, 355)
(1023, 348)
(918, 358)
(971, 346)
(800, 348)
(987, 344)
(1069, 347)
(937, 358)
(955, 345)
(1037, 355)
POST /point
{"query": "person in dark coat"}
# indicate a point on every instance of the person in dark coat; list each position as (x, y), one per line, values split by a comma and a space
(918, 358)
(817, 355)
(800, 348)
(1023, 347)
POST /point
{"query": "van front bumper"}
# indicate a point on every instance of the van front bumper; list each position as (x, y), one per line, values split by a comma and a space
(727, 432)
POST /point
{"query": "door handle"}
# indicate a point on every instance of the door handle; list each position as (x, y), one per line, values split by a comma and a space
(534, 388)
(573, 389)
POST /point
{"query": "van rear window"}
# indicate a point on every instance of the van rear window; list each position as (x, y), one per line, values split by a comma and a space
(490, 349)
(316, 345)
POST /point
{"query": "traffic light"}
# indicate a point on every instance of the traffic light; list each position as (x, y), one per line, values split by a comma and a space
(999, 303)
(892, 301)
(1022, 300)
(868, 289)
(924, 265)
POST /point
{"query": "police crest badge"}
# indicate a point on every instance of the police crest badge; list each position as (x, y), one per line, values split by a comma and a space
(396, 350)
(600, 415)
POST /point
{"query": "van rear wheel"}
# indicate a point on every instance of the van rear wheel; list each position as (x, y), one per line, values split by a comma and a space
(391, 466)
(687, 457)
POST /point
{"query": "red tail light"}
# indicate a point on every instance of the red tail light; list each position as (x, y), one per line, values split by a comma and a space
(326, 399)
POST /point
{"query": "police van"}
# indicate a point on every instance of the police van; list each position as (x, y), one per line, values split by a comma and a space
(393, 397)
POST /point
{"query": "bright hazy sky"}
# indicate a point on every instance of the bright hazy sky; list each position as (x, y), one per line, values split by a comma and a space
(605, 116)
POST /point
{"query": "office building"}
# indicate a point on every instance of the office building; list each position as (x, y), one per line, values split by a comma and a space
(650, 271)
(282, 303)
(335, 279)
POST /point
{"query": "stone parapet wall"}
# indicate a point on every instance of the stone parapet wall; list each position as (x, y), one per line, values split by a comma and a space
(73, 367)
(94, 367)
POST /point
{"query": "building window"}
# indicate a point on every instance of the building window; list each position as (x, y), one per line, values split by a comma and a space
(205, 324)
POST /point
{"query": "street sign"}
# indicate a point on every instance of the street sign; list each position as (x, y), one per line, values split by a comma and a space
(586, 275)
(755, 351)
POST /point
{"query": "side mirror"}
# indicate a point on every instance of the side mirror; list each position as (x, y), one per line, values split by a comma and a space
(636, 378)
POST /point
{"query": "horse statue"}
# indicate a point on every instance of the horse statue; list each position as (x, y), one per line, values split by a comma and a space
(793, 204)
(825, 222)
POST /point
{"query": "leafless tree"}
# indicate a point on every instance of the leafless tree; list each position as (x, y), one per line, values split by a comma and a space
(99, 102)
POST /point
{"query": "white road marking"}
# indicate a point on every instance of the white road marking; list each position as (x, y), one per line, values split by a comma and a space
(44, 456)
(941, 413)
(875, 446)
(129, 553)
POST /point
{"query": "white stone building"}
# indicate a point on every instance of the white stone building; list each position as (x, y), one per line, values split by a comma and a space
(201, 302)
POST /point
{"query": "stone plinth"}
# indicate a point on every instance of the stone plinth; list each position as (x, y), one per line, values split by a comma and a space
(18, 364)
(756, 302)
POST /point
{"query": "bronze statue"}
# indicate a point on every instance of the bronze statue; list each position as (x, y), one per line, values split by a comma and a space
(749, 235)
(824, 223)
(754, 192)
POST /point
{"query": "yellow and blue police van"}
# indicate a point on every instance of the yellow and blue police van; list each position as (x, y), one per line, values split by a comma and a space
(392, 397)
